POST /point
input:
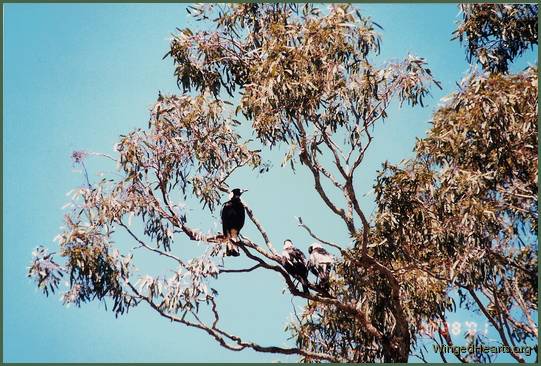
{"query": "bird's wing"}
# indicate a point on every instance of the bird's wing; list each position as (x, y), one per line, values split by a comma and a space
(242, 215)
(285, 259)
(323, 256)
(313, 265)
(318, 260)
(225, 209)
(298, 255)
(321, 251)
(224, 214)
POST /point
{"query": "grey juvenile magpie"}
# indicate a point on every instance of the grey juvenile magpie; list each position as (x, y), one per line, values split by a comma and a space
(320, 263)
(294, 263)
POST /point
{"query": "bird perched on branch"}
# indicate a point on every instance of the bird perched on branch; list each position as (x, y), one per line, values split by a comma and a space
(294, 263)
(320, 264)
(233, 216)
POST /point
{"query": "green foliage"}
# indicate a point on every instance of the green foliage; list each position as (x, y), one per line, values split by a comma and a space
(495, 34)
(459, 218)
(190, 140)
(465, 209)
(292, 63)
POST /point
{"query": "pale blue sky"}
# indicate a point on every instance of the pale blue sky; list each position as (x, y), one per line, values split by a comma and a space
(78, 76)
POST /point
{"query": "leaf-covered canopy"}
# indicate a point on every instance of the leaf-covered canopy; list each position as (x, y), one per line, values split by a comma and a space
(495, 34)
(458, 221)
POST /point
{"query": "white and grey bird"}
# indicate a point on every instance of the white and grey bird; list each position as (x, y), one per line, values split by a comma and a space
(294, 262)
(320, 264)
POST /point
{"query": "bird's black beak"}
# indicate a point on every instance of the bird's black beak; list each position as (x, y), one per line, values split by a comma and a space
(243, 191)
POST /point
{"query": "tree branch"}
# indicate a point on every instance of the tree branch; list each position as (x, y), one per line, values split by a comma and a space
(155, 250)
(448, 339)
(304, 157)
(240, 270)
(496, 325)
(260, 228)
(220, 335)
(301, 224)
(345, 306)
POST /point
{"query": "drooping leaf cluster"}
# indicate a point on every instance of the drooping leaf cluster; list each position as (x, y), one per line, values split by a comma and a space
(292, 63)
(462, 214)
(457, 225)
(495, 34)
(299, 76)
(465, 209)
(190, 141)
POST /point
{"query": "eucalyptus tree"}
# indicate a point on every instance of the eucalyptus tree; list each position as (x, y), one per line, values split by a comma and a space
(463, 214)
(302, 78)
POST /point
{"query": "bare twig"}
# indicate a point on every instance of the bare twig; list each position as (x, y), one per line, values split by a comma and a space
(223, 337)
(305, 159)
(260, 228)
(155, 250)
(240, 270)
(330, 176)
(303, 225)
(448, 339)
(496, 324)
(333, 148)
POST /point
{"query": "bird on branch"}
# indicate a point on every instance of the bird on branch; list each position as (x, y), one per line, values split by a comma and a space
(294, 263)
(320, 264)
(233, 215)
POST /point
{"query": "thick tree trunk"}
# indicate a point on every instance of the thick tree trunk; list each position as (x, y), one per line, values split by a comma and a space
(396, 348)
